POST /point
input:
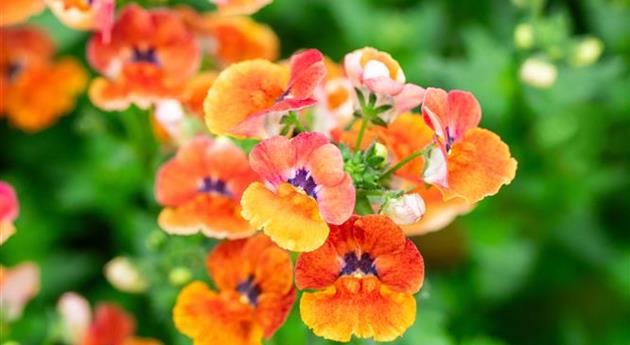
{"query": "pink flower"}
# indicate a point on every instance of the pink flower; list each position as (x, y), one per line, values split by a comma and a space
(305, 187)
(9, 210)
(18, 285)
(378, 73)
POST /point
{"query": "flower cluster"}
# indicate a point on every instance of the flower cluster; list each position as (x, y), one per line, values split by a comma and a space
(337, 162)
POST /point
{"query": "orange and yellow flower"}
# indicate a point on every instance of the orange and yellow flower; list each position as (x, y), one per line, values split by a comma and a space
(366, 274)
(231, 39)
(378, 73)
(201, 188)
(305, 187)
(97, 15)
(469, 162)
(9, 209)
(249, 98)
(17, 11)
(34, 89)
(18, 285)
(255, 282)
(231, 7)
(150, 56)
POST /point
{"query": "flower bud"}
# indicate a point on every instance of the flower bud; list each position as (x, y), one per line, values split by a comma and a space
(408, 209)
(76, 315)
(538, 73)
(125, 276)
(524, 36)
(587, 52)
(179, 276)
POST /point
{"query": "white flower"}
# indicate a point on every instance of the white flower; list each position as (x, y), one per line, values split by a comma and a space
(538, 73)
(408, 209)
(124, 275)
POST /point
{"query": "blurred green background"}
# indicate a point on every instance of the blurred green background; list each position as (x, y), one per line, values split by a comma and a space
(547, 261)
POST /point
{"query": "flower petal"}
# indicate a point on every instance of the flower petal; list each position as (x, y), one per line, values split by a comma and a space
(111, 325)
(273, 159)
(288, 216)
(402, 271)
(464, 113)
(307, 71)
(273, 309)
(242, 90)
(362, 307)
(320, 268)
(336, 203)
(212, 319)
(478, 166)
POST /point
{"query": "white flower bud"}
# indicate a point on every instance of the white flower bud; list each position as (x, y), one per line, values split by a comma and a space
(76, 314)
(538, 73)
(408, 209)
(125, 276)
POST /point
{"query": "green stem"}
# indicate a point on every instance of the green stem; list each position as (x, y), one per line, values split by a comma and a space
(403, 162)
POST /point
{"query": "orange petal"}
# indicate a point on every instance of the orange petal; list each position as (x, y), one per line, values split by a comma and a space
(288, 216)
(7, 229)
(211, 319)
(307, 71)
(242, 90)
(241, 38)
(378, 235)
(273, 159)
(196, 90)
(362, 307)
(439, 212)
(273, 309)
(478, 166)
(336, 202)
(26, 45)
(232, 7)
(141, 341)
(17, 11)
(318, 269)
(213, 215)
(402, 271)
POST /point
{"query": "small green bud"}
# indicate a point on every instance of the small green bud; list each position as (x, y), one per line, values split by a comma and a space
(524, 36)
(179, 276)
(587, 52)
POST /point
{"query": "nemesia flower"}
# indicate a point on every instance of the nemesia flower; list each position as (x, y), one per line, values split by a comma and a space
(9, 209)
(125, 276)
(255, 282)
(405, 210)
(469, 162)
(149, 57)
(76, 316)
(335, 105)
(97, 15)
(201, 187)
(195, 91)
(18, 11)
(365, 276)
(240, 6)
(111, 325)
(34, 89)
(249, 98)
(18, 285)
(407, 134)
(305, 187)
(378, 73)
(230, 39)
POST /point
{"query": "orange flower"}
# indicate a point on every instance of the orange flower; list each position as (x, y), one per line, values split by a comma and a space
(305, 187)
(17, 11)
(150, 56)
(18, 285)
(9, 210)
(254, 278)
(230, 39)
(469, 162)
(34, 90)
(240, 6)
(113, 326)
(367, 273)
(249, 98)
(195, 92)
(85, 14)
(201, 188)
(405, 135)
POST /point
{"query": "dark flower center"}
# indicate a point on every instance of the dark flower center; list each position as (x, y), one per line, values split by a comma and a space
(13, 70)
(449, 140)
(145, 55)
(304, 181)
(210, 185)
(249, 290)
(353, 264)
